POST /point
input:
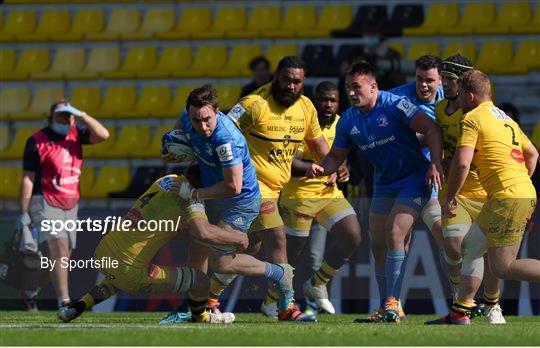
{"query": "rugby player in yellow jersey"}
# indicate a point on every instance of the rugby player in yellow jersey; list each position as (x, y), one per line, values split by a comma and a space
(134, 249)
(505, 159)
(471, 197)
(304, 200)
(275, 119)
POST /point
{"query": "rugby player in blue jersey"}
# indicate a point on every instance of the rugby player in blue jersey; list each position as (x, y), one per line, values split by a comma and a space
(384, 127)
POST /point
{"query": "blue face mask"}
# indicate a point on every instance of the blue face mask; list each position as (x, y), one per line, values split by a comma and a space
(61, 129)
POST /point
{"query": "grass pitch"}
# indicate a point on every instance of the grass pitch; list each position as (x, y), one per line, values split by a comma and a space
(142, 329)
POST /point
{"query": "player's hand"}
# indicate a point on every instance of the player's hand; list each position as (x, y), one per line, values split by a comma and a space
(332, 178)
(22, 220)
(314, 170)
(343, 173)
(72, 110)
(186, 190)
(448, 207)
(434, 176)
(243, 242)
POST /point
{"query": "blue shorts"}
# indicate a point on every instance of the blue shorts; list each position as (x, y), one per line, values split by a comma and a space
(411, 192)
(237, 212)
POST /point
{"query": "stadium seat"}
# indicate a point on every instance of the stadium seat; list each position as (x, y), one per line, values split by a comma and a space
(404, 16)
(87, 178)
(153, 150)
(10, 182)
(18, 23)
(40, 104)
(276, 52)
(121, 21)
(475, 15)
(98, 150)
(511, 14)
(465, 48)
(319, 60)
(118, 99)
(67, 60)
(438, 17)
(7, 61)
(207, 58)
(142, 179)
(86, 21)
(238, 62)
(30, 60)
(87, 99)
(16, 147)
(4, 137)
(398, 47)
(369, 19)
(529, 27)
(332, 17)
(137, 58)
(129, 141)
(297, 18)
(101, 59)
(156, 20)
(494, 55)
(13, 100)
(179, 101)
(228, 95)
(52, 22)
(348, 53)
(192, 19)
(110, 179)
(228, 19)
(418, 49)
(263, 19)
(527, 58)
(172, 60)
(154, 101)
(535, 136)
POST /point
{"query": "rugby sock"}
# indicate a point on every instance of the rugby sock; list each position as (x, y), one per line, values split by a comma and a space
(380, 275)
(198, 310)
(218, 283)
(272, 296)
(323, 275)
(273, 272)
(394, 274)
(88, 301)
(64, 301)
(491, 299)
(462, 308)
(400, 278)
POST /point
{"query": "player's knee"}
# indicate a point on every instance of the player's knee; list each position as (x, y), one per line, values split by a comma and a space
(500, 269)
(452, 249)
(431, 215)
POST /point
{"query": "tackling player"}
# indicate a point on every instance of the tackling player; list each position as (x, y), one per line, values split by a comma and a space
(505, 159)
(384, 127)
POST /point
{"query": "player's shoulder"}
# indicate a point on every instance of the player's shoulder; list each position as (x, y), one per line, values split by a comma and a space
(440, 108)
(403, 90)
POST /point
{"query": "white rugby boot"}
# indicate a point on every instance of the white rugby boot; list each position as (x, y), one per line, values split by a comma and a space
(494, 314)
(320, 295)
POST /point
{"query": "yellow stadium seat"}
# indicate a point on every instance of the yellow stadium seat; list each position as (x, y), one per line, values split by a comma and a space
(263, 19)
(13, 100)
(238, 63)
(465, 48)
(10, 181)
(98, 150)
(475, 15)
(87, 178)
(86, 21)
(118, 99)
(52, 22)
(156, 20)
(192, 19)
(527, 58)
(87, 99)
(398, 47)
(40, 104)
(207, 58)
(137, 58)
(30, 60)
(494, 55)
(228, 95)
(511, 14)
(418, 49)
(130, 140)
(297, 18)
(101, 59)
(152, 101)
(179, 102)
(172, 60)
(276, 52)
(535, 136)
(18, 23)
(7, 61)
(110, 179)
(4, 137)
(228, 19)
(153, 150)
(529, 27)
(121, 21)
(438, 17)
(67, 60)
(16, 147)
(332, 17)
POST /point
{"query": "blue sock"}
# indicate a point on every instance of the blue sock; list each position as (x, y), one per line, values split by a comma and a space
(380, 275)
(400, 278)
(394, 261)
(273, 272)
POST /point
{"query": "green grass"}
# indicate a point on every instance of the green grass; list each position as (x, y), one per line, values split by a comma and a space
(142, 329)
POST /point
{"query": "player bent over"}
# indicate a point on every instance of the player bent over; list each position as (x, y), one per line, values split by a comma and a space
(134, 250)
(505, 159)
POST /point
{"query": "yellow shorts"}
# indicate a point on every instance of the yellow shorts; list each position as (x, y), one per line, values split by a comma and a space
(466, 212)
(504, 217)
(298, 213)
(269, 214)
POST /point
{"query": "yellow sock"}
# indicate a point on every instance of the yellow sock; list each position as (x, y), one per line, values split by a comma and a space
(218, 283)
(463, 308)
(271, 296)
(491, 299)
(323, 275)
(198, 309)
(89, 301)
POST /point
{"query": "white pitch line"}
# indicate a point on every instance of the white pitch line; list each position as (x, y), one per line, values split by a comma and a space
(107, 326)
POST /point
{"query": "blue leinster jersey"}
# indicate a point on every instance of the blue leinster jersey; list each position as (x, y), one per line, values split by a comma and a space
(408, 91)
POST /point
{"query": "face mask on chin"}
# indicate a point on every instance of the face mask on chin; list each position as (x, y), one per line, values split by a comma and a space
(61, 129)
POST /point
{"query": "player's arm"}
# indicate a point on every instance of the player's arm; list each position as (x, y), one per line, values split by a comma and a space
(202, 230)
(98, 133)
(531, 158)
(299, 167)
(330, 163)
(318, 146)
(230, 186)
